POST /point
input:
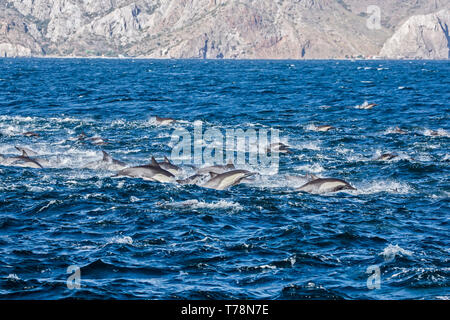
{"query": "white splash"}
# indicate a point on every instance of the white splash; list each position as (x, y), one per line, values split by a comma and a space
(121, 240)
(310, 168)
(379, 186)
(391, 251)
(195, 204)
(436, 133)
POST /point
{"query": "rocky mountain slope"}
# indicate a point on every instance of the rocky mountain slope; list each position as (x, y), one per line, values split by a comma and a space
(422, 36)
(247, 29)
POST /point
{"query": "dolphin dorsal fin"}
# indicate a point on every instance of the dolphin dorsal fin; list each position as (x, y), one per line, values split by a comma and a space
(24, 153)
(230, 164)
(106, 156)
(213, 174)
(154, 162)
(166, 160)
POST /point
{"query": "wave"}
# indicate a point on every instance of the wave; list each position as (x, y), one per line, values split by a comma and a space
(380, 186)
(120, 240)
(195, 204)
(391, 251)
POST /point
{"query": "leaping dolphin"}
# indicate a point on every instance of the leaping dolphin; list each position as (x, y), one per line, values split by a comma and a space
(225, 180)
(399, 130)
(300, 180)
(169, 166)
(31, 134)
(150, 172)
(107, 162)
(164, 121)
(196, 178)
(278, 147)
(218, 169)
(366, 105)
(325, 185)
(386, 157)
(324, 128)
(30, 153)
(98, 141)
(23, 161)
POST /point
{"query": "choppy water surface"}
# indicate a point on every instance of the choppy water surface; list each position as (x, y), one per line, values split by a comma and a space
(140, 239)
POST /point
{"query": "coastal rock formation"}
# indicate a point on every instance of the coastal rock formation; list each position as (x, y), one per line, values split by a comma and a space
(251, 29)
(17, 37)
(422, 36)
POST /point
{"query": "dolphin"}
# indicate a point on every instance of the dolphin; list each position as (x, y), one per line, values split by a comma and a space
(218, 169)
(109, 159)
(29, 152)
(437, 133)
(366, 105)
(82, 136)
(150, 172)
(169, 166)
(196, 178)
(324, 128)
(278, 147)
(23, 161)
(106, 162)
(224, 180)
(324, 185)
(386, 156)
(31, 134)
(164, 121)
(301, 179)
(398, 130)
(98, 141)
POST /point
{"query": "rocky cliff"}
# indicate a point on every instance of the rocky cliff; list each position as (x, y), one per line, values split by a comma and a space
(249, 29)
(421, 36)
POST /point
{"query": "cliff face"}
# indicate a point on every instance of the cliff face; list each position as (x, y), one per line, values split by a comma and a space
(201, 28)
(422, 36)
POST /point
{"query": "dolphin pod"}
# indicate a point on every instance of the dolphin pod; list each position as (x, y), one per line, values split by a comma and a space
(217, 177)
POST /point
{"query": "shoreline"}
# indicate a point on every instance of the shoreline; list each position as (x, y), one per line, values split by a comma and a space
(223, 59)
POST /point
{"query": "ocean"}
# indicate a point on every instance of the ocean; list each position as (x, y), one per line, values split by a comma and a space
(73, 230)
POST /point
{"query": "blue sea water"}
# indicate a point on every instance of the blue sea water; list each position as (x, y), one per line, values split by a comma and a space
(136, 239)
